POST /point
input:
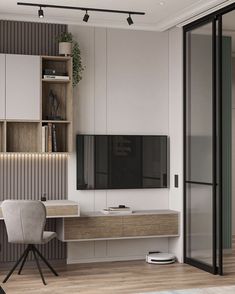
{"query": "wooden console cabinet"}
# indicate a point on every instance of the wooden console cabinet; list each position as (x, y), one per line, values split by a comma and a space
(93, 226)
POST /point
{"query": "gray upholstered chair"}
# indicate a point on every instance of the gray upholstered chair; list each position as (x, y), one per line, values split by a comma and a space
(25, 221)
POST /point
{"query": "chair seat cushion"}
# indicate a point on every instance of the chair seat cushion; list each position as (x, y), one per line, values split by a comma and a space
(48, 236)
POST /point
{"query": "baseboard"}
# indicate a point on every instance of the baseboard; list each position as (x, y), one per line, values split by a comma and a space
(106, 259)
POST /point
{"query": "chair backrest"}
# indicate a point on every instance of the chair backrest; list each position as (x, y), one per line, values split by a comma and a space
(25, 220)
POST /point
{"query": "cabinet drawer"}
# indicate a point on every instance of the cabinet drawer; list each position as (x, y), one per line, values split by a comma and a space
(150, 225)
(92, 228)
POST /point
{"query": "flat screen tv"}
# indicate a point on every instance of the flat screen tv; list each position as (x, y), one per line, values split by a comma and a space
(121, 162)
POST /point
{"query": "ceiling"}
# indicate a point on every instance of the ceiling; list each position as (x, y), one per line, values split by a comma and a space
(160, 14)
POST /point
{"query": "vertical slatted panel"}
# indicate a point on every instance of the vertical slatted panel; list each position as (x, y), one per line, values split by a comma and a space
(29, 38)
(28, 176)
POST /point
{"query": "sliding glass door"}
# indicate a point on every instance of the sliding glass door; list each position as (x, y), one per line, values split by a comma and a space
(202, 213)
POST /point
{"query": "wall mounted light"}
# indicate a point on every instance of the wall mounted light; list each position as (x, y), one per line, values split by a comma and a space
(86, 9)
(86, 17)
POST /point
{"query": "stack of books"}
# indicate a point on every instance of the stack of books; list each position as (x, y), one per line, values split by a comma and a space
(52, 74)
(49, 140)
(56, 77)
(121, 209)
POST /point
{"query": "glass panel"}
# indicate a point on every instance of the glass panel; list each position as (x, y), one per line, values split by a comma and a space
(199, 223)
(199, 104)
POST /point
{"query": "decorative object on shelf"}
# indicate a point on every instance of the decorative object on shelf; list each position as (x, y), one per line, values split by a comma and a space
(54, 106)
(76, 54)
(53, 74)
(65, 48)
(120, 209)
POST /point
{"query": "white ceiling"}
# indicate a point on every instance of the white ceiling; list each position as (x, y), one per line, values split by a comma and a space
(160, 14)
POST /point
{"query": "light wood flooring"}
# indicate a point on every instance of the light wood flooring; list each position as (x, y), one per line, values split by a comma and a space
(118, 277)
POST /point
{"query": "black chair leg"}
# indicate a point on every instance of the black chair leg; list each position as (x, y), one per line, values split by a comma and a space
(45, 261)
(38, 265)
(24, 260)
(15, 266)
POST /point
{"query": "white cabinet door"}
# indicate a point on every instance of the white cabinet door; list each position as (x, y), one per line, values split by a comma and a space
(22, 87)
(2, 85)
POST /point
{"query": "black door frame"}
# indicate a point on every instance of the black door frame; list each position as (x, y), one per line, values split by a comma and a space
(216, 19)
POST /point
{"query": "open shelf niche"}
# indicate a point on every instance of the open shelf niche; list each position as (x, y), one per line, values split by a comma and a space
(23, 136)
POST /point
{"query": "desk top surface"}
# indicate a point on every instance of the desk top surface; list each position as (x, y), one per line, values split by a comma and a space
(58, 208)
(134, 213)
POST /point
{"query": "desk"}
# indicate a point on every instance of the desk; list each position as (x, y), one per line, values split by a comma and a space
(58, 209)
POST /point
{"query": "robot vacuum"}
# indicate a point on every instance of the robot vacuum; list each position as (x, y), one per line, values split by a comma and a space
(160, 258)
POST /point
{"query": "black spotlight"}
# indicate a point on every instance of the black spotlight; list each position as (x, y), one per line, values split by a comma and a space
(40, 13)
(129, 20)
(86, 17)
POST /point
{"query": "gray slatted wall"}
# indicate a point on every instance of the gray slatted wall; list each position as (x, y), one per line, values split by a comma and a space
(31, 38)
(28, 176)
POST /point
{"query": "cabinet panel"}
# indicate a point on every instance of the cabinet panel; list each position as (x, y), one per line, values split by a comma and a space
(2, 86)
(116, 227)
(22, 87)
(150, 225)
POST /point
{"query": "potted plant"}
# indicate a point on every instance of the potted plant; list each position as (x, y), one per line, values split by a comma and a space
(69, 47)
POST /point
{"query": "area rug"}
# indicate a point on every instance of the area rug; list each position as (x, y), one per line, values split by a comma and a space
(213, 290)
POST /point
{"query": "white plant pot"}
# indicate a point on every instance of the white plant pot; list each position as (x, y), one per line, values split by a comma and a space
(65, 48)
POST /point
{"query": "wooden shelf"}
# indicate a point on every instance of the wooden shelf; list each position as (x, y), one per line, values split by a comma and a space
(57, 121)
(51, 81)
(56, 58)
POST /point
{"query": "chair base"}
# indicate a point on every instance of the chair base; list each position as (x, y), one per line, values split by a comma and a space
(23, 258)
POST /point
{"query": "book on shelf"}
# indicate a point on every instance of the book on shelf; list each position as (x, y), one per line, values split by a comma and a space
(49, 138)
(54, 77)
(121, 209)
(54, 142)
(44, 138)
(116, 212)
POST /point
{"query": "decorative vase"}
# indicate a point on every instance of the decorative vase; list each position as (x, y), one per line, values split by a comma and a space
(65, 48)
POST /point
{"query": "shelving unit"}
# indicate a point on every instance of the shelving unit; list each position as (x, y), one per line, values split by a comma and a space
(63, 91)
(25, 135)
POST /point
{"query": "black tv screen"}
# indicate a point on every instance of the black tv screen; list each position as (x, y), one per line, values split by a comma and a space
(121, 162)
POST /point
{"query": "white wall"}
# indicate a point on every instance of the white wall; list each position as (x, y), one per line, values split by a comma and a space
(124, 91)
(176, 132)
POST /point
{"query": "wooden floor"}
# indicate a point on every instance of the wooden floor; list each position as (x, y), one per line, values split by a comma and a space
(119, 277)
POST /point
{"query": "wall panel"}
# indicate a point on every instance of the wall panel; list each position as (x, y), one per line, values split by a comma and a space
(30, 38)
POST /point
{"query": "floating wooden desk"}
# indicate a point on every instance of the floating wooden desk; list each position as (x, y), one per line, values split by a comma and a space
(59, 209)
(140, 224)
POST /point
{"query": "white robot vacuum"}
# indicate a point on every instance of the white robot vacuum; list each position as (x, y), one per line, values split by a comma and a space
(160, 258)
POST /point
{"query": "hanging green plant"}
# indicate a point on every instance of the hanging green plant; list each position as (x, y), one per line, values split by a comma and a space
(76, 55)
